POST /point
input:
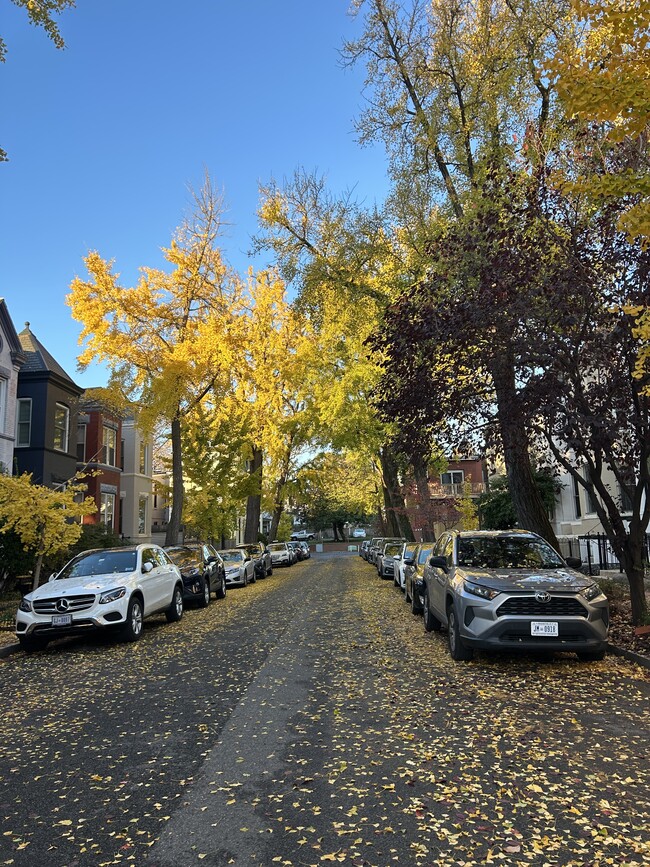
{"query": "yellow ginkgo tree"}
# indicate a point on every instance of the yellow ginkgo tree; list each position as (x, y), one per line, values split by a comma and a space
(276, 389)
(171, 339)
(603, 71)
(46, 520)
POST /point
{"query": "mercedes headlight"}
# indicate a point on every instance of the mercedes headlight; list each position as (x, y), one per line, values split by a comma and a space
(112, 595)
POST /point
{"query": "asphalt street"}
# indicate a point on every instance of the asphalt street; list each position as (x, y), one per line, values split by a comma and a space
(309, 719)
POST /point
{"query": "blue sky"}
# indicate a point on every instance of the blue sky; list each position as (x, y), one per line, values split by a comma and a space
(105, 137)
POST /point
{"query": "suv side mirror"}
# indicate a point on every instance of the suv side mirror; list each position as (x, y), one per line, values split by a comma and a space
(147, 567)
(573, 562)
(439, 563)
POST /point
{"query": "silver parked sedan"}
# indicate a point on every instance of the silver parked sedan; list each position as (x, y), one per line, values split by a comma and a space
(499, 590)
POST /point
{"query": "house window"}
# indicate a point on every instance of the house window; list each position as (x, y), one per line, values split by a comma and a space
(109, 444)
(107, 509)
(143, 458)
(452, 477)
(591, 501)
(142, 514)
(61, 427)
(24, 421)
(81, 443)
(576, 498)
(626, 502)
(3, 403)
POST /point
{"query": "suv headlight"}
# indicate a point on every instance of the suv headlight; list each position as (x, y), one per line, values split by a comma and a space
(25, 605)
(591, 592)
(479, 590)
(112, 595)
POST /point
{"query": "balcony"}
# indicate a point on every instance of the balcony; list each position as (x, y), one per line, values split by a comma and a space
(440, 491)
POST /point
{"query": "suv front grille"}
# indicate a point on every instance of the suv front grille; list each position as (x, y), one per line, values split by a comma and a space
(528, 606)
(75, 603)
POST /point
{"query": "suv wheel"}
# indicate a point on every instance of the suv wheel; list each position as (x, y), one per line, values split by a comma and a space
(459, 651)
(175, 610)
(416, 608)
(221, 589)
(431, 622)
(132, 628)
(205, 592)
(31, 643)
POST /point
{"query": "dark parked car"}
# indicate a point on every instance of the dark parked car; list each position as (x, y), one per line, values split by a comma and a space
(298, 550)
(261, 557)
(202, 570)
(386, 559)
(413, 588)
(501, 590)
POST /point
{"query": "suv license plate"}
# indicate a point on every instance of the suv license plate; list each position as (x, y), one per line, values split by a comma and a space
(544, 627)
(62, 620)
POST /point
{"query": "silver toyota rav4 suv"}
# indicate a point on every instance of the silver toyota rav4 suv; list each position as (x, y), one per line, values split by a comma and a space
(500, 590)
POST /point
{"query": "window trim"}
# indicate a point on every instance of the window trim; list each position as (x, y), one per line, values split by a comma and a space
(20, 402)
(106, 430)
(66, 428)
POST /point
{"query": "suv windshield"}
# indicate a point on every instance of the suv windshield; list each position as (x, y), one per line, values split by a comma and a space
(506, 552)
(278, 546)
(100, 563)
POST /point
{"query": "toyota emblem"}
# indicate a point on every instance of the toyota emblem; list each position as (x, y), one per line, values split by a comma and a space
(62, 605)
(542, 596)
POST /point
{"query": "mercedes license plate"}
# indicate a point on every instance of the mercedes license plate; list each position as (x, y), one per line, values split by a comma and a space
(544, 627)
(62, 620)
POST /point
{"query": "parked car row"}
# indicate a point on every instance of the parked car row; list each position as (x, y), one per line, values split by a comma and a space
(498, 590)
(114, 589)
(288, 553)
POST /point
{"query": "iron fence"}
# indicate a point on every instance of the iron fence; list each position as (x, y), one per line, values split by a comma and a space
(595, 551)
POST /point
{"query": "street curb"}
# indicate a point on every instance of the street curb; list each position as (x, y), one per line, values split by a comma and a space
(8, 649)
(629, 654)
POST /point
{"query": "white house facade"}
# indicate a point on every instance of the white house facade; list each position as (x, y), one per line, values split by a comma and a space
(11, 360)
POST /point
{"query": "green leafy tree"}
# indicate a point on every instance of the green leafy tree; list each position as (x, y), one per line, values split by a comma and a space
(495, 507)
(457, 93)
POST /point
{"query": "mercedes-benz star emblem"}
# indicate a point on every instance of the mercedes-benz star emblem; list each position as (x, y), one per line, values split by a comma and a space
(542, 596)
(62, 605)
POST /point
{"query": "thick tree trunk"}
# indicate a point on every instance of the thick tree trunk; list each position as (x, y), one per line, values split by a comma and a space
(630, 551)
(526, 499)
(423, 498)
(38, 565)
(397, 522)
(254, 501)
(172, 535)
(278, 508)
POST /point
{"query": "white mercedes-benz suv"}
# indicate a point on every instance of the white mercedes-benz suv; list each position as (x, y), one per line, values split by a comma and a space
(107, 588)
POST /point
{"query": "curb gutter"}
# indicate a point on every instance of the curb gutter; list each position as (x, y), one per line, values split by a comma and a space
(644, 661)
